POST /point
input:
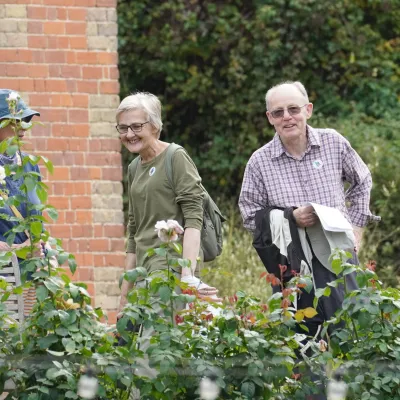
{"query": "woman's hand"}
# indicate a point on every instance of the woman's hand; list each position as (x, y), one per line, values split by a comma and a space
(204, 291)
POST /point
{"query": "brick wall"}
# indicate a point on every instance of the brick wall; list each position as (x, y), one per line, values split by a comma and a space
(61, 55)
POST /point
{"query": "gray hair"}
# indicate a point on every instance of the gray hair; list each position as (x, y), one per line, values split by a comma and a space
(296, 84)
(143, 101)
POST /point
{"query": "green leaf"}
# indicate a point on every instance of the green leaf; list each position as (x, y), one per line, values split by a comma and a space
(337, 266)
(53, 373)
(47, 341)
(248, 389)
(177, 247)
(364, 319)
(52, 213)
(41, 293)
(160, 252)
(36, 228)
(48, 164)
(165, 293)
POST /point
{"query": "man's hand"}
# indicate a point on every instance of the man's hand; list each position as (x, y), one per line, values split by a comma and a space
(305, 216)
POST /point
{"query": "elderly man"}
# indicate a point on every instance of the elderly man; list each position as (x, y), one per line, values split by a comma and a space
(300, 165)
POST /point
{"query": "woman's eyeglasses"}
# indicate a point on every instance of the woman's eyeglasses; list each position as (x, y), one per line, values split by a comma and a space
(135, 128)
(292, 110)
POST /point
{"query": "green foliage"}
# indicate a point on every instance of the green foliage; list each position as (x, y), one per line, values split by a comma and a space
(366, 349)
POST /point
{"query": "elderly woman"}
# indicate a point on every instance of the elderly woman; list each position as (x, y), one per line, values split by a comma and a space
(151, 198)
(11, 186)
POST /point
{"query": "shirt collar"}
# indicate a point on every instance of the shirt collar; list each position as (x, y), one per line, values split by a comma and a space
(278, 149)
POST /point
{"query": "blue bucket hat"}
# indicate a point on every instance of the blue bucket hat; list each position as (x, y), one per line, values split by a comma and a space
(5, 112)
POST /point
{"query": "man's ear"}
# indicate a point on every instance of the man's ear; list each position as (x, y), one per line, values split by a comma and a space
(270, 119)
(309, 110)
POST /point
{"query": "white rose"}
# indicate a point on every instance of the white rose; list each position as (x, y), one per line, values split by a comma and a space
(172, 224)
(2, 175)
(13, 96)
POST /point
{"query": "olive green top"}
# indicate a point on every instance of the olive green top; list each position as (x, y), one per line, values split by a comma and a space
(152, 199)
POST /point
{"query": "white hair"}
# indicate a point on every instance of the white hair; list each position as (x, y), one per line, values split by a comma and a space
(143, 101)
(296, 84)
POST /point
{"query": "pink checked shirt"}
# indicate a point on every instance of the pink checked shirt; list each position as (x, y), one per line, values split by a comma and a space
(274, 178)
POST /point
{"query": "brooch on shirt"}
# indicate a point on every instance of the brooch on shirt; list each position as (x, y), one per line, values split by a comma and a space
(317, 164)
(152, 171)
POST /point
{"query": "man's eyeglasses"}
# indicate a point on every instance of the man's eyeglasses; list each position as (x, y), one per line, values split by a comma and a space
(135, 128)
(292, 110)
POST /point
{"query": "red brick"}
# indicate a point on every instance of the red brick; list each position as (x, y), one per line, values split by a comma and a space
(83, 217)
(114, 260)
(61, 13)
(71, 71)
(82, 174)
(78, 14)
(61, 174)
(59, 2)
(60, 202)
(54, 71)
(109, 87)
(78, 144)
(70, 130)
(82, 231)
(74, 159)
(57, 188)
(101, 245)
(108, 159)
(113, 230)
(39, 85)
(38, 55)
(55, 115)
(52, 14)
(78, 42)
(38, 71)
(57, 144)
(37, 42)
(80, 100)
(106, 3)
(98, 231)
(39, 99)
(112, 317)
(92, 72)
(81, 202)
(17, 70)
(35, 27)
(75, 28)
(71, 85)
(54, 28)
(70, 217)
(87, 87)
(85, 274)
(58, 42)
(35, 12)
(114, 73)
(77, 188)
(60, 231)
(107, 58)
(117, 245)
(52, 56)
(112, 174)
(86, 57)
(84, 259)
(87, 3)
(56, 85)
(79, 116)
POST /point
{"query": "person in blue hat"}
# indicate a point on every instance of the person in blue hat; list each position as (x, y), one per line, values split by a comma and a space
(9, 185)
